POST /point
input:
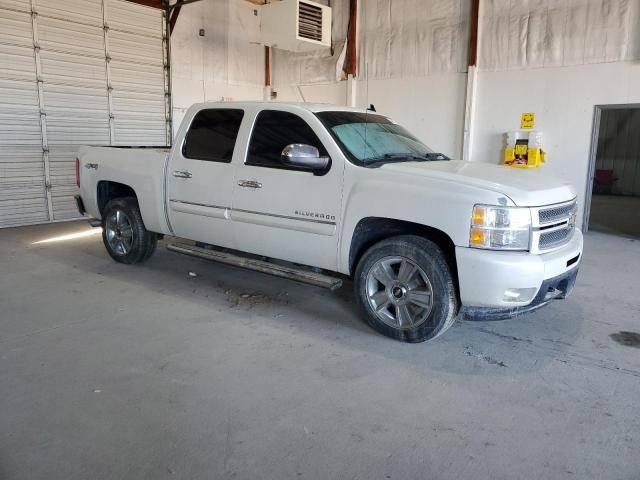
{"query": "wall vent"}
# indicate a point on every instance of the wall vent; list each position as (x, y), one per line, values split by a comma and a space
(309, 21)
(295, 25)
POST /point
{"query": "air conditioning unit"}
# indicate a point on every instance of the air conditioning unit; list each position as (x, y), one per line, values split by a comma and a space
(295, 25)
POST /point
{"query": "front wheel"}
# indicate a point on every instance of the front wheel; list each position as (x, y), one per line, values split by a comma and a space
(405, 289)
(124, 234)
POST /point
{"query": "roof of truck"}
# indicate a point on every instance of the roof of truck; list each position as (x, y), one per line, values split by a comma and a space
(312, 107)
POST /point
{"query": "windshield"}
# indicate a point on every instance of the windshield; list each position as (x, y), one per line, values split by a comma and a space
(369, 139)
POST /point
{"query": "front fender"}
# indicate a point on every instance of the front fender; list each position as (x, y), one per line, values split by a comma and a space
(443, 205)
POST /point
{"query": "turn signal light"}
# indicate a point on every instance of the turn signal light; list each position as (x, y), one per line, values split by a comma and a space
(477, 237)
(478, 218)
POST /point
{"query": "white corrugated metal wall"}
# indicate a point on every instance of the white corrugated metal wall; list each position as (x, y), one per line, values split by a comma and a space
(73, 72)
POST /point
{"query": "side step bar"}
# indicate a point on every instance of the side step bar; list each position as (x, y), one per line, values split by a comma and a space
(293, 273)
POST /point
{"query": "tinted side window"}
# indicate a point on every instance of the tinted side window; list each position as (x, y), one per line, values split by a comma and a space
(212, 135)
(275, 130)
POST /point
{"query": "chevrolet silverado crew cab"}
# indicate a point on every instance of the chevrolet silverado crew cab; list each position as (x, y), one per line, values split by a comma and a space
(319, 192)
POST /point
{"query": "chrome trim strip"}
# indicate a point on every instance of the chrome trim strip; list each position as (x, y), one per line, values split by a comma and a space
(198, 204)
(535, 212)
(323, 222)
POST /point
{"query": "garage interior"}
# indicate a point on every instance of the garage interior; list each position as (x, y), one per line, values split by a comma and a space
(615, 201)
(183, 368)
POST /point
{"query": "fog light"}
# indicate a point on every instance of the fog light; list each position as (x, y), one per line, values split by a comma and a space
(519, 294)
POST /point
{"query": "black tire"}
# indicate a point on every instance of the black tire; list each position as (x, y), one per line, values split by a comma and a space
(432, 318)
(141, 244)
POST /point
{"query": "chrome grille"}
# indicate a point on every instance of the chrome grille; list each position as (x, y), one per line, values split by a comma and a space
(555, 238)
(556, 214)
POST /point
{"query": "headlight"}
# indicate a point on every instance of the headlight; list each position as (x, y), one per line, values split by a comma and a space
(500, 228)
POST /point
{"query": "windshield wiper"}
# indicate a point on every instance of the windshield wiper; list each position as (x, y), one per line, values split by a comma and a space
(404, 157)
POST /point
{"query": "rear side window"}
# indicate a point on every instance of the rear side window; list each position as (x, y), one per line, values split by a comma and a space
(212, 135)
(273, 131)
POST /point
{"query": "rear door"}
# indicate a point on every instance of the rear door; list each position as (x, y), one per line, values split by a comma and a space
(282, 212)
(201, 177)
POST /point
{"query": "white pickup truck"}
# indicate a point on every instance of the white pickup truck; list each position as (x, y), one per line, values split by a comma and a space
(318, 192)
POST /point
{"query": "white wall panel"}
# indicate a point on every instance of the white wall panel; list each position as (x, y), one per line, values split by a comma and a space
(131, 130)
(131, 17)
(87, 12)
(413, 38)
(431, 107)
(552, 33)
(20, 5)
(69, 37)
(75, 95)
(22, 184)
(17, 63)
(225, 63)
(68, 69)
(74, 91)
(131, 76)
(15, 28)
(76, 115)
(133, 48)
(246, 62)
(137, 76)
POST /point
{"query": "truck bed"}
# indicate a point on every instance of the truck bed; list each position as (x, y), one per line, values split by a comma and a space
(142, 168)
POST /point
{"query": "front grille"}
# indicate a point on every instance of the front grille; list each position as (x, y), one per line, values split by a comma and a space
(556, 214)
(555, 238)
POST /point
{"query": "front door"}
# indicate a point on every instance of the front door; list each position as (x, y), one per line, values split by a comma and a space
(281, 212)
(201, 177)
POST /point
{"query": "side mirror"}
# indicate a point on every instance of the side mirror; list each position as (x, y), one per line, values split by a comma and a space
(303, 156)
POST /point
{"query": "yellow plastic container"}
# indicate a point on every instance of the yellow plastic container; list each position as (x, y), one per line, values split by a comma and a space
(529, 158)
(523, 150)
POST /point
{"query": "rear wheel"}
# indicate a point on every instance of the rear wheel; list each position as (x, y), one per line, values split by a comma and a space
(124, 234)
(405, 289)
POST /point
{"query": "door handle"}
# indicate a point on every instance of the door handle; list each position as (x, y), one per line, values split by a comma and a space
(249, 184)
(182, 174)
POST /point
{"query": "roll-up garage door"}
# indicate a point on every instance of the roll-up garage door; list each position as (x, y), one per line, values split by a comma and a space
(73, 72)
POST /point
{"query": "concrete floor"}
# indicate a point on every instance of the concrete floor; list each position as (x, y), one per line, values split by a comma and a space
(615, 214)
(116, 372)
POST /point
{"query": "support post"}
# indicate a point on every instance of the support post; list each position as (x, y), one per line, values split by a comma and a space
(351, 60)
(352, 100)
(472, 82)
(267, 73)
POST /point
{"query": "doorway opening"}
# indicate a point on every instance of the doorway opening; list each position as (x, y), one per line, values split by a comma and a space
(613, 190)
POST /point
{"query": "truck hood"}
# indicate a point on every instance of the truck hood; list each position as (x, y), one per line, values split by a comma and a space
(526, 187)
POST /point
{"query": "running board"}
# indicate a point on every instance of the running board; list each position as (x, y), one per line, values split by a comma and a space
(293, 273)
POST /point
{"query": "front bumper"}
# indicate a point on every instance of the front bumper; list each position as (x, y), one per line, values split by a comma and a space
(484, 276)
(552, 289)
